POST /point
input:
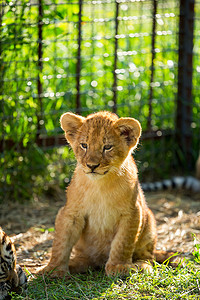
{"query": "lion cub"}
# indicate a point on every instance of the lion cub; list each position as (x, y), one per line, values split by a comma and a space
(106, 220)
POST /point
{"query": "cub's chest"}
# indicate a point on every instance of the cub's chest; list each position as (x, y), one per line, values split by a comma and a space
(102, 211)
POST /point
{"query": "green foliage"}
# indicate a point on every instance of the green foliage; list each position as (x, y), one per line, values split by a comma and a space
(25, 114)
(34, 171)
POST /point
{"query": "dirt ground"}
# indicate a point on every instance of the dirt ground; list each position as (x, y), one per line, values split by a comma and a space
(31, 224)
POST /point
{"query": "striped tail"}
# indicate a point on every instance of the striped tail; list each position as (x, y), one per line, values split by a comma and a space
(188, 183)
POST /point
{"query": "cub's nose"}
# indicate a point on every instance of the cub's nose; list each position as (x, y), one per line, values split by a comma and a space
(92, 167)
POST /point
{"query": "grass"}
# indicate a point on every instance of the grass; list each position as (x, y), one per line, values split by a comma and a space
(164, 283)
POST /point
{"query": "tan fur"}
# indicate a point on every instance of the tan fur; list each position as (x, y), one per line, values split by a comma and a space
(198, 168)
(106, 220)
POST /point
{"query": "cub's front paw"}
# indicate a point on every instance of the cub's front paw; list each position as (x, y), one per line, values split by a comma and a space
(144, 266)
(119, 269)
(53, 271)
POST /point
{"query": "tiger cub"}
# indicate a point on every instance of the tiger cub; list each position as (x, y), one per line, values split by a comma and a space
(12, 278)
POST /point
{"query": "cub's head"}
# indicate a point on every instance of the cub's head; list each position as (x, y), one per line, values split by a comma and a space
(100, 142)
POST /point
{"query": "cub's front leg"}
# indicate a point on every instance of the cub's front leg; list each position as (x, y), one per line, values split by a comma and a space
(123, 245)
(68, 228)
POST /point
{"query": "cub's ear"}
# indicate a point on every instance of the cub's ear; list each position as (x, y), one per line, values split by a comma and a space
(70, 123)
(130, 129)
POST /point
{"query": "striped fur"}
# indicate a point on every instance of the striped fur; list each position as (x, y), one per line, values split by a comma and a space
(12, 278)
(7, 259)
(186, 183)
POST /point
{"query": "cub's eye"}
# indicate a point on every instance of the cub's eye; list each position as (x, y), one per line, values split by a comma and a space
(107, 147)
(83, 146)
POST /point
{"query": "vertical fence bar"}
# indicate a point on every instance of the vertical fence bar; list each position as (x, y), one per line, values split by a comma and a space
(78, 65)
(1, 17)
(115, 59)
(2, 141)
(153, 41)
(1, 58)
(40, 66)
(184, 96)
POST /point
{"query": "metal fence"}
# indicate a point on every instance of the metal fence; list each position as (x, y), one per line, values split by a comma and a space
(137, 58)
